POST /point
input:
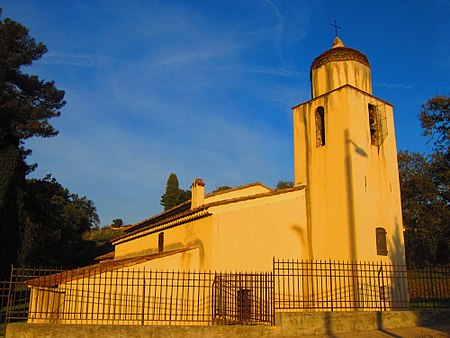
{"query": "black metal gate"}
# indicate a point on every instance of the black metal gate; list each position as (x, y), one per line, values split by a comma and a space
(243, 299)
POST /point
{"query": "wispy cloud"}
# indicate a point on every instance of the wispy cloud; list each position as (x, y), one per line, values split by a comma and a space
(260, 70)
(394, 85)
(279, 27)
(82, 60)
(201, 53)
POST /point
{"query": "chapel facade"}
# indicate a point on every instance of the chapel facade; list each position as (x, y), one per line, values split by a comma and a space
(345, 204)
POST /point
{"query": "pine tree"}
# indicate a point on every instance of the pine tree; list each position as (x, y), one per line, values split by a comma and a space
(26, 105)
(12, 173)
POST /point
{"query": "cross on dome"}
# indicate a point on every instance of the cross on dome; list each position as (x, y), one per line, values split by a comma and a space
(336, 27)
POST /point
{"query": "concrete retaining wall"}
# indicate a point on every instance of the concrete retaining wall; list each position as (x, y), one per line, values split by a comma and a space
(289, 324)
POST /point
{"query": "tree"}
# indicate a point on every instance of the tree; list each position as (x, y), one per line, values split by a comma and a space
(54, 220)
(117, 222)
(174, 195)
(284, 184)
(425, 186)
(12, 173)
(26, 102)
(222, 188)
(425, 213)
(97, 242)
(435, 121)
(26, 105)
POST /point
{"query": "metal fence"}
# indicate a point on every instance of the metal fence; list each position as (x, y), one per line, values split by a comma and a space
(338, 286)
(140, 297)
(343, 286)
(429, 287)
(4, 291)
(19, 293)
(243, 298)
(145, 297)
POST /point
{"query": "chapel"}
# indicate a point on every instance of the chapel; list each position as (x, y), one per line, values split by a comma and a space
(240, 255)
(345, 203)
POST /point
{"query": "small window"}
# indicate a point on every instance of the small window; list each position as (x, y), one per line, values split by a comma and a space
(373, 124)
(377, 124)
(161, 242)
(381, 242)
(320, 127)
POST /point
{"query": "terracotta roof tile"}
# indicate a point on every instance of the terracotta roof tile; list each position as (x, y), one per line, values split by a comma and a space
(95, 269)
(193, 214)
(220, 192)
(178, 211)
(339, 54)
(107, 256)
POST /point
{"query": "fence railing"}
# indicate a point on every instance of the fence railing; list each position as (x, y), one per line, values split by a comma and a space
(4, 291)
(19, 293)
(429, 287)
(146, 297)
(374, 286)
(243, 298)
(142, 297)
(340, 286)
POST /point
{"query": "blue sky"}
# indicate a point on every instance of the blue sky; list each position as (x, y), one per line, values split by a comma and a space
(205, 88)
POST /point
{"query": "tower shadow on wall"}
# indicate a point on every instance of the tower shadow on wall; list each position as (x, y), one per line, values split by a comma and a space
(351, 146)
(399, 292)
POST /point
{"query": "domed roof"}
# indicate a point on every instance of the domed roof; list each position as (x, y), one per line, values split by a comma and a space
(339, 53)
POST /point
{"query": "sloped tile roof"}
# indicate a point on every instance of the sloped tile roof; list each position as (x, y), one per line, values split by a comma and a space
(95, 269)
(107, 256)
(159, 224)
(245, 186)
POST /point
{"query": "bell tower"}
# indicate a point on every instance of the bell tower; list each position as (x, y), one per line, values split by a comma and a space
(345, 153)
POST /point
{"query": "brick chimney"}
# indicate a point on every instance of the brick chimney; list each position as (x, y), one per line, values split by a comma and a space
(198, 193)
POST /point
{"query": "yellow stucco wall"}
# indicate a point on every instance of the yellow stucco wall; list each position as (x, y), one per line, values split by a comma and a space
(247, 235)
(197, 233)
(336, 74)
(237, 237)
(376, 183)
(352, 186)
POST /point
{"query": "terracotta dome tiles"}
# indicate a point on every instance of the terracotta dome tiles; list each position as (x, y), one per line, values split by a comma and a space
(340, 54)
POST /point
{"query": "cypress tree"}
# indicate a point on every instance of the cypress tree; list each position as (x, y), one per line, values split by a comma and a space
(173, 195)
(12, 180)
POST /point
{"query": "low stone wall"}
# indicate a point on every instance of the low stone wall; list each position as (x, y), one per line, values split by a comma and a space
(328, 323)
(289, 324)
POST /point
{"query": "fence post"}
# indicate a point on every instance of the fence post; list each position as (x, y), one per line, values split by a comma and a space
(273, 286)
(331, 286)
(273, 297)
(381, 287)
(8, 303)
(143, 296)
(355, 285)
(430, 277)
